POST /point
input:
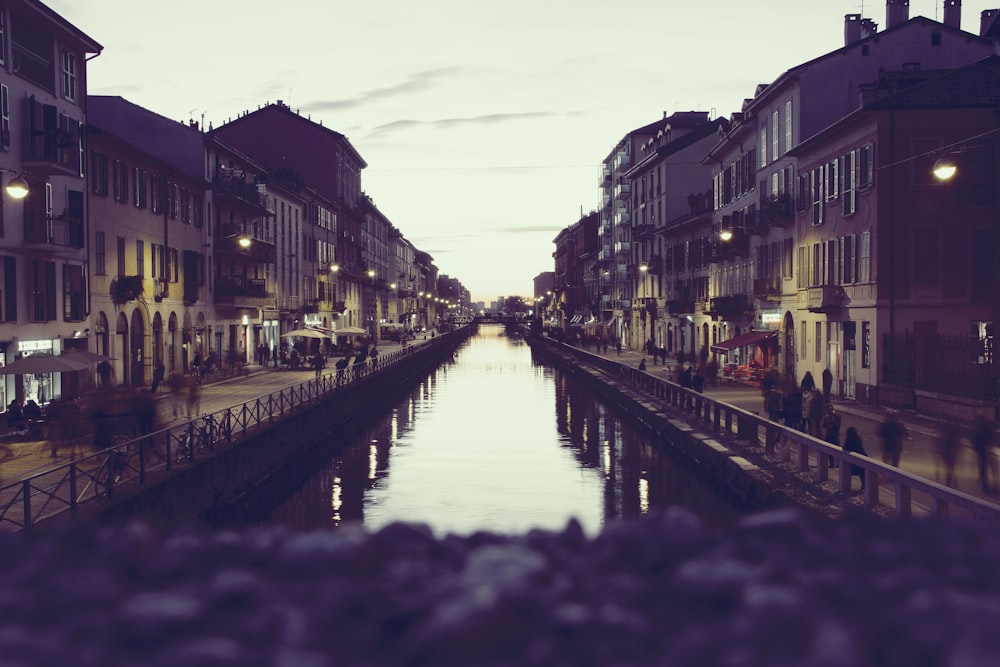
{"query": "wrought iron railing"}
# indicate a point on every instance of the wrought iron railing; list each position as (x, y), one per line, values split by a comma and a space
(98, 476)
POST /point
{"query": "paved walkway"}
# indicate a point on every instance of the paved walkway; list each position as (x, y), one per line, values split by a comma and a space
(21, 458)
(920, 450)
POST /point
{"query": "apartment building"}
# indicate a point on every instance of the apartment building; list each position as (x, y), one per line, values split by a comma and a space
(43, 113)
(147, 240)
(768, 203)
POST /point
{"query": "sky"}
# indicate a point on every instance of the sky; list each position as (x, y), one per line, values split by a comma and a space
(484, 124)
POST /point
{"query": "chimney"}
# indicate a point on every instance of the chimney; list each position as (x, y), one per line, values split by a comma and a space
(896, 12)
(852, 28)
(953, 14)
(868, 28)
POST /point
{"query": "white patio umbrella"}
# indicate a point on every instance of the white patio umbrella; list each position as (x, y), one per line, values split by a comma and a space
(42, 362)
(305, 333)
(350, 331)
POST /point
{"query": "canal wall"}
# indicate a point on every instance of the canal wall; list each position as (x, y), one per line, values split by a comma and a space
(751, 484)
(232, 473)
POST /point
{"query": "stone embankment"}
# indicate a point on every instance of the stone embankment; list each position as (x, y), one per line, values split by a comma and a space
(779, 588)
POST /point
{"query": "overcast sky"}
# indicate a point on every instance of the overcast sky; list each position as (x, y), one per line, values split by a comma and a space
(484, 125)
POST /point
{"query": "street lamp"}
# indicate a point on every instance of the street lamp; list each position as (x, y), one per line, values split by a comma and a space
(17, 187)
(944, 168)
(244, 241)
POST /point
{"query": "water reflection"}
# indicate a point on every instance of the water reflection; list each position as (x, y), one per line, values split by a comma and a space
(475, 447)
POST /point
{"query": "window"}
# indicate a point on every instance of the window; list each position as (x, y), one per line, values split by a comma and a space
(172, 268)
(100, 258)
(865, 167)
(69, 75)
(816, 189)
(3, 38)
(43, 291)
(73, 293)
(866, 338)
(140, 258)
(849, 251)
(847, 180)
(139, 188)
(121, 256)
(763, 145)
(864, 258)
(99, 173)
(4, 117)
(185, 206)
(172, 201)
(155, 195)
(774, 134)
(788, 126)
(119, 177)
(805, 342)
(832, 180)
(819, 341)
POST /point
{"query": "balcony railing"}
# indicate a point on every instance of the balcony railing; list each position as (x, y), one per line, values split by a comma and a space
(240, 291)
(778, 211)
(730, 307)
(235, 189)
(53, 234)
(766, 287)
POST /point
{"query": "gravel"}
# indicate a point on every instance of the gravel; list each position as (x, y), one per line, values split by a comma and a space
(778, 588)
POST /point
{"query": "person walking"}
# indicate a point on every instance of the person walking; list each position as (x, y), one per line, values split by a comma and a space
(827, 383)
(158, 372)
(808, 383)
(642, 364)
(853, 444)
(892, 431)
(831, 429)
(948, 445)
(983, 436)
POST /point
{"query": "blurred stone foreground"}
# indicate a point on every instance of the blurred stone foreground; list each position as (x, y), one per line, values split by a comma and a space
(779, 588)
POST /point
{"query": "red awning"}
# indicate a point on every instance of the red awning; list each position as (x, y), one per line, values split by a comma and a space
(751, 338)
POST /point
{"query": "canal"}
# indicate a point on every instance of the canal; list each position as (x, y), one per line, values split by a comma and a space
(492, 441)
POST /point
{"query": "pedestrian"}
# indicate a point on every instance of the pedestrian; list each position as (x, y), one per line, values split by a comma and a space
(892, 431)
(831, 429)
(158, 371)
(104, 373)
(193, 396)
(791, 408)
(642, 364)
(827, 383)
(318, 362)
(772, 403)
(807, 402)
(817, 411)
(948, 445)
(808, 384)
(618, 347)
(983, 436)
(698, 380)
(853, 444)
(175, 383)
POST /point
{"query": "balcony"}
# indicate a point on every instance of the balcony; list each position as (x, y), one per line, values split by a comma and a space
(777, 211)
(826, 299)
(239, 291)
(622, 190)
(738, 245)
(766, 287)
(230, 187)
(55, 235)
(680, 306)
(730, 307)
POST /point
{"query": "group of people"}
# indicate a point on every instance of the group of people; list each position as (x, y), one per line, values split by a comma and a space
(808, 408)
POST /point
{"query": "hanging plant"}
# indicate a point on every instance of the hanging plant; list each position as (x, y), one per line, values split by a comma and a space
(125, 289)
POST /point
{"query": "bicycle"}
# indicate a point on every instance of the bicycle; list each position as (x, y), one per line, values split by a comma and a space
(117, 462)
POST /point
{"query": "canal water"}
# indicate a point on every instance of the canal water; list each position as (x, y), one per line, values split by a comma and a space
(496, 441)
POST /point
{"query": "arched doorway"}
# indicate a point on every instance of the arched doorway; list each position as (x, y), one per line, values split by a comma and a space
(121, 330)
(172, 346)
(787, 352)
(156, 346)
(102, 341)
(136, 349)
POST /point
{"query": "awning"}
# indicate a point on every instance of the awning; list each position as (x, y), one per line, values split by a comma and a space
(751, 338)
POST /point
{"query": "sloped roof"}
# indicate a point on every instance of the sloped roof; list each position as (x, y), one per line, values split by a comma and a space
(975, 85)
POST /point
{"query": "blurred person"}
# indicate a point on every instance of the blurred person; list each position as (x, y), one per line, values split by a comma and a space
(948, 444)
(853, 444)
(983, 437)
(892, 431)
(831, 429)
(193, 396)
